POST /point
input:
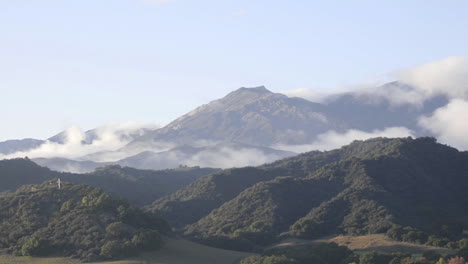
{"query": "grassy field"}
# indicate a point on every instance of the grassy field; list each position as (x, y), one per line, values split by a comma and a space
(375, 242)
(176, 251)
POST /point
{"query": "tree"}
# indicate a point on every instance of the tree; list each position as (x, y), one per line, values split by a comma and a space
(374, 258)
(147, 239)
(268, 260)
(112, 249)
(118, 230)
(31, 247)
(36, 247)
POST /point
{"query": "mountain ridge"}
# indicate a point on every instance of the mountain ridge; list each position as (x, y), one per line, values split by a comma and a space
(393, 186)
(260, 119)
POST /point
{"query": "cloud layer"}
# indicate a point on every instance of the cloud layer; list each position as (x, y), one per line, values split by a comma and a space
(332, 139)
(450, 123)
(75, 145)
(447, 77)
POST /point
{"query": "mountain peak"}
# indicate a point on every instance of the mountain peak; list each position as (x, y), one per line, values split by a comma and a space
(258, 89)
(243, 96)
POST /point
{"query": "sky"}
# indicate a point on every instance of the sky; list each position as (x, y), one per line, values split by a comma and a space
(89, 63)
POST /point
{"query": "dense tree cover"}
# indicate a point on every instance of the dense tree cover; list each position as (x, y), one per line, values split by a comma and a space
(78, 221)
(261, 212)
(413, 189)
(139, 187)
(428, 257)
(331, 253)
(196, 200)
(448, 235)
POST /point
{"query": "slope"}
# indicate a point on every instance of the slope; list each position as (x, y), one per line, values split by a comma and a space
(373, 186)
(140, 187)
(77, 221)
(189, 204)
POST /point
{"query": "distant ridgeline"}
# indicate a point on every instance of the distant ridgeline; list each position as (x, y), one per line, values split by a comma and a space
(140, 187)
(77, 221)
(412, 189)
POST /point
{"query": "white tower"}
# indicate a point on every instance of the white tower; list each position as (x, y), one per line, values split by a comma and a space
(59, 182)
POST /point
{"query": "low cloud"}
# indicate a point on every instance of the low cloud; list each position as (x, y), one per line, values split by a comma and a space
(447, 77)
(332, 139)
(314, 95)
(449, 123)
(229, 157)
(75, 143)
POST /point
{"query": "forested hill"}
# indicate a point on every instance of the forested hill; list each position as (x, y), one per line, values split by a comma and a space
(140, 187)
(191, 203)
(76, 220)
(380, 185)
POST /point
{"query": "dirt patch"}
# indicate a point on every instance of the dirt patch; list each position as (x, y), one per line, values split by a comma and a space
(381, 243)
(375, 242)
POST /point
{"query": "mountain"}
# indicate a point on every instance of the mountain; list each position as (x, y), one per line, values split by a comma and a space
(12, 146)
(253, 116)
(412, 189)
(247, 127)
(257, 116)
(140, 187)
(372, 109)
(77, 221)
(123, 133)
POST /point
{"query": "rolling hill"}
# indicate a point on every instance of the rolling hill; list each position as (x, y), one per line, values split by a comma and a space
(77, 221)
(140, 187)
(380, 185)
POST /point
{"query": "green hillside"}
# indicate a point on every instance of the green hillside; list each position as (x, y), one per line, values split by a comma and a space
(191, 203)
(413, 189)
(77, 221)
(139, 187)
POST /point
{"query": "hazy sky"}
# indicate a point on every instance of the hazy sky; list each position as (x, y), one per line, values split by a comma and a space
(92, 62)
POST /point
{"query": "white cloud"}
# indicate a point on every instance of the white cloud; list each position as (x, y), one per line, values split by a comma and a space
(332, 139)
(105, 138)
(447, 77)
(314, 95)
(449, 123)
(229, 157)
